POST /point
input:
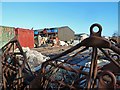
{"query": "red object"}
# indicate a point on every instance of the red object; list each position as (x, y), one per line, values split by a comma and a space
(44, 31)
(25, 37)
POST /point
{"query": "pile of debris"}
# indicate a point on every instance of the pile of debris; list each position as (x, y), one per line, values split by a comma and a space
(34, 58)
(89, 68)
(84, 66)
(19, 65)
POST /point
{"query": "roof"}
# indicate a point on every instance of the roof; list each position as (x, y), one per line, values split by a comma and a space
(7, 26)
(66, 27)
(39, 30)
(55, 28)
(81, 34)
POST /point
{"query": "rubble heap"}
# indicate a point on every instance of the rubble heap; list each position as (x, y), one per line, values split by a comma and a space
(87, 68)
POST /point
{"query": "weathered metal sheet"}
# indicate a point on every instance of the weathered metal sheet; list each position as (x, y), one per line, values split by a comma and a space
(25, 37)
(6, 34)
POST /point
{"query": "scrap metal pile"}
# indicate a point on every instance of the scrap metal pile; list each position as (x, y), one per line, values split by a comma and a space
(14, 66)
(93, 63)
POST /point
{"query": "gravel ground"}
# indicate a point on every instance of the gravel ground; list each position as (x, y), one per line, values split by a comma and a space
(51, 50)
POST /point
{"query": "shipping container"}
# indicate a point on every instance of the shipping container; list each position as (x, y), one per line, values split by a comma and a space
(52, 30)
(6, 34)
(55, 30)
(48, 31)
(25, 37)
(36, 32)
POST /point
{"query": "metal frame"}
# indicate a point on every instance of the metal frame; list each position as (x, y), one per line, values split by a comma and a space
(95, 78)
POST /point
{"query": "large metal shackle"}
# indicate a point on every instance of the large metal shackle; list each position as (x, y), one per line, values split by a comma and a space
(95, 33)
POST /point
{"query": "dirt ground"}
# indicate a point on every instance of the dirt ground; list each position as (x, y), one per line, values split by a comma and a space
(52, 50)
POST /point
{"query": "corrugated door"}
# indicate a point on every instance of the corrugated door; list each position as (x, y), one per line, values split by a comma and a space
(25, 37)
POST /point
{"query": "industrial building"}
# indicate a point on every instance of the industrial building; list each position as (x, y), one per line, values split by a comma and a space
(56, 34)
(63, 33)
(29, 38)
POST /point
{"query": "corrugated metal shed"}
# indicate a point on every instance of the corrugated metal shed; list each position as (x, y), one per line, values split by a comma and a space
(65, 33)
(6, 34)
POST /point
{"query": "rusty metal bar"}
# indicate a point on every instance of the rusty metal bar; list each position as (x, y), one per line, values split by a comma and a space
(115, 49)
(93, 69)
(95, 41)
(112, 60)
(12, 71)
(83, 79)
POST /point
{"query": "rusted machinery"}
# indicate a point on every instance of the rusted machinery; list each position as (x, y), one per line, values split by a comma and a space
(13, 66)
(63, 74)
(66, 70)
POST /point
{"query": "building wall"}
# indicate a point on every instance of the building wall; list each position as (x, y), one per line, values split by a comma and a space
(65, 34)
(6, 34)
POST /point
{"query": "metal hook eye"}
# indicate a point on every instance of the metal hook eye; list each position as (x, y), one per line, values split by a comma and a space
(96, 25)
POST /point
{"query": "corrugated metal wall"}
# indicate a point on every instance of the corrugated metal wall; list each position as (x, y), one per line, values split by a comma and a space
(6, 34)
(65, 34)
